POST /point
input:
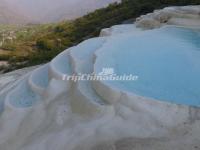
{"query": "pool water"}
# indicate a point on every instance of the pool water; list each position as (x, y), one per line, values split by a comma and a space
(22, 96)
(167, 61)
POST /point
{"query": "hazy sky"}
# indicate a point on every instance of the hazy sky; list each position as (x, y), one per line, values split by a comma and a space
(55, 9)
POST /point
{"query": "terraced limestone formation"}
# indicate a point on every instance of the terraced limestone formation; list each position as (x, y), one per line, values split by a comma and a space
(187, 16)
(46, 110)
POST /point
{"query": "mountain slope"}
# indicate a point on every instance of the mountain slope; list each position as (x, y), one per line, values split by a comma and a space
(52, 11)
(76, 9)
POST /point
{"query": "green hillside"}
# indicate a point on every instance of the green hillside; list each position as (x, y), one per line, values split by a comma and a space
(36, 44)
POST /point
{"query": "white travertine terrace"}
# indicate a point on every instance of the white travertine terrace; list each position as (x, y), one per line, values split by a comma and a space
(188, 16)
(44, 111)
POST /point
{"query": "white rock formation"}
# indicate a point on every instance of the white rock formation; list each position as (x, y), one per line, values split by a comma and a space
(188, 16)
(43, 110)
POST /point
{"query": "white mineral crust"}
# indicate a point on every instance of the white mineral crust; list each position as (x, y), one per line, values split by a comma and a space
(41, 110)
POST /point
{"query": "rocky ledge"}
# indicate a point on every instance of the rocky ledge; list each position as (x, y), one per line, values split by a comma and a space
(187, 16)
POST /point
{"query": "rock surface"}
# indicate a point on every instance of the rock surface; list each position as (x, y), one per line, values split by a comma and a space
(188, 16)
(42, 110)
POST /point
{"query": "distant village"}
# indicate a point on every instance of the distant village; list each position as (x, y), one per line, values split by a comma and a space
(7, 36)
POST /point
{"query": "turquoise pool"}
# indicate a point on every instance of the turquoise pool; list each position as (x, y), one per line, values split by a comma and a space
(167, 61)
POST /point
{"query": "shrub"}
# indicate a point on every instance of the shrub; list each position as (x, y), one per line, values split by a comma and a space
(45, 44)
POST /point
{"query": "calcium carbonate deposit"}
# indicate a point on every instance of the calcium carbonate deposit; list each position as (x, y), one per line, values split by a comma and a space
(46, 110)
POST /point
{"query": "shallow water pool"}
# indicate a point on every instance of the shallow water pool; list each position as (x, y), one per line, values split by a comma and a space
(167, 61)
